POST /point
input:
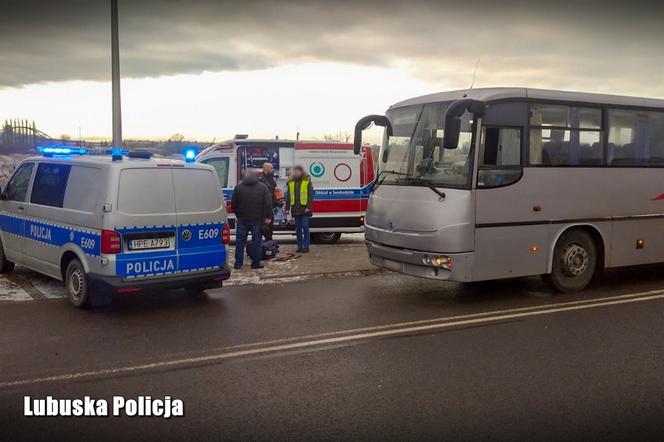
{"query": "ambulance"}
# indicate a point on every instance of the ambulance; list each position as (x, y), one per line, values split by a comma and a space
(340, 178)
(117, 224)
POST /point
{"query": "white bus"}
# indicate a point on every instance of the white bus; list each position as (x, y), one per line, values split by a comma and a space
(497, 183)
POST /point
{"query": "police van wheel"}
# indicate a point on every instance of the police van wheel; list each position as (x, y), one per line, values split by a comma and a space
(574, 262)
(6, 266)
(326, 237)
(76, 284)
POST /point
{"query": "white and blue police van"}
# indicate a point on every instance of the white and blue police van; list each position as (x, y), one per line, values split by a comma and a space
(115, 224)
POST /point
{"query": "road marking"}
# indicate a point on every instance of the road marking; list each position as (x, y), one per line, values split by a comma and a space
(374, 333)
(432, 320)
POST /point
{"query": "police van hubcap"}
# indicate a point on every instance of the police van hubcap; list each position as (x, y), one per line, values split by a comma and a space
(575, 260)
(76, 283)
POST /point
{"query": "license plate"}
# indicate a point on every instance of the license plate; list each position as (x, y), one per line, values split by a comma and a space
(149, 243)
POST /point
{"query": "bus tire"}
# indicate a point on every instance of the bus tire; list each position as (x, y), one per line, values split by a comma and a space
(77, 286)
(6, 266)
(574, 262)
(326, 237)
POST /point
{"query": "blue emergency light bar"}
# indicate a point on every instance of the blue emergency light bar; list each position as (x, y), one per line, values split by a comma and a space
(61, 150)
(116, 154)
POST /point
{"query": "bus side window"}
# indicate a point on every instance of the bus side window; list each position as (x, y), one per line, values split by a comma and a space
(500, 157)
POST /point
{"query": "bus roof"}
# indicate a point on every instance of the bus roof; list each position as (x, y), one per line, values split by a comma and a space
(516, 93)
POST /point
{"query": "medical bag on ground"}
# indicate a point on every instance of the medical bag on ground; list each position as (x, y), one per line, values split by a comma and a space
(270, 249)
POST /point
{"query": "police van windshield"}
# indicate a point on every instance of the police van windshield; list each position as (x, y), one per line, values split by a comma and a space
(414, 154)
(168, 191)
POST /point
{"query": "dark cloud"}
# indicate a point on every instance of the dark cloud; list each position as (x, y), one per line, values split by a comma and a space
(595, 43)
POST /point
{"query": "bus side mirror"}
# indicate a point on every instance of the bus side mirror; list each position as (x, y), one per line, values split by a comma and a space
(386, 154)
(365, 123)
(452, 131)
(453, 119)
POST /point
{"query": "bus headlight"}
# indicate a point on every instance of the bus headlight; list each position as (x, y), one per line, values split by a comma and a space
(440, 261)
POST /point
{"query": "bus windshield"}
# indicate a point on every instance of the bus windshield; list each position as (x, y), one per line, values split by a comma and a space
(414, 156)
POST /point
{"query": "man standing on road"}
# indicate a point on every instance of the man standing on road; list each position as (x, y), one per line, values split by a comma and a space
(271, 183)
(252, 205)
(299, 194)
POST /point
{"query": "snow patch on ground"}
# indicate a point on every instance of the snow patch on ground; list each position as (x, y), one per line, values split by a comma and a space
(10, 291)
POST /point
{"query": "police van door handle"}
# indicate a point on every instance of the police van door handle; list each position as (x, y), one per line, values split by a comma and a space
(21, 208)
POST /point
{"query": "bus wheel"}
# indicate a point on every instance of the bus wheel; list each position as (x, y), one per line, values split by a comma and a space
(574, 262)
(76, 284)
(326, 237)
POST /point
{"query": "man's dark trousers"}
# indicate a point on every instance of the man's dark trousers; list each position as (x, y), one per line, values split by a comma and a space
(241, 233)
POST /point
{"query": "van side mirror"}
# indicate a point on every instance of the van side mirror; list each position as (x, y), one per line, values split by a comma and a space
(453, 119)
(365, 123)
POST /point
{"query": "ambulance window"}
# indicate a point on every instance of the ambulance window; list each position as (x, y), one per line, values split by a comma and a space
(146, 191)
(196, 190)
(50, 184)
(221, 166)
(18, 185)
(83, 189)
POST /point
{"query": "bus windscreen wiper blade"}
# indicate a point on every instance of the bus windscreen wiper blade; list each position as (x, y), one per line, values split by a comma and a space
(423, 182)
(438, 192)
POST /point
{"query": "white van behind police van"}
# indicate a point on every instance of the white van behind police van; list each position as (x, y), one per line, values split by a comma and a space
(108, 227)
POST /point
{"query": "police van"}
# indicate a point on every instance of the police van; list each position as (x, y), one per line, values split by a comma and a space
(115, 224)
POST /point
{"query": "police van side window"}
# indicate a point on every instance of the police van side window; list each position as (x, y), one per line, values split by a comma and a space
(83, 189)
(18, 185)
(50, 183)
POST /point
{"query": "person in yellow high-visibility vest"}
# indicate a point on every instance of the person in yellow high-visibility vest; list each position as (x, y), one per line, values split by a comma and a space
(299, 194)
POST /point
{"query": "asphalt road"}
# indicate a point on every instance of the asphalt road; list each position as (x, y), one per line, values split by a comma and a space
(375, 357)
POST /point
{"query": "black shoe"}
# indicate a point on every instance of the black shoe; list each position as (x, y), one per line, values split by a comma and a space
(305, 250)
(299, 250)
(257, 266)
(237, 267)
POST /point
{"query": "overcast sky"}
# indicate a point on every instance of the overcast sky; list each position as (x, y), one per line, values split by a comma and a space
(211, 69)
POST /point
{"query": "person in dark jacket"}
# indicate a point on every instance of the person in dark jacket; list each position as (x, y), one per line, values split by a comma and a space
(271, 183)
(299, 194)
(252, 205)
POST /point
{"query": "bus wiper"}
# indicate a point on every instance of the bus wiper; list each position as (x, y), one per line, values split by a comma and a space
(425, 183)
(378, 181)
(438, 192)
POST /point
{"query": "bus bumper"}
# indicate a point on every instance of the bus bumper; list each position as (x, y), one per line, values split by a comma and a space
(411, 262)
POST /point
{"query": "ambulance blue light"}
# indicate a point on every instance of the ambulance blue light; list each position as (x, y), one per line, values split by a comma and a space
(57, 150)
(190, 155)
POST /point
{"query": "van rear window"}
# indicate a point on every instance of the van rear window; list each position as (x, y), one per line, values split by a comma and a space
(196, 190)
(146, 191)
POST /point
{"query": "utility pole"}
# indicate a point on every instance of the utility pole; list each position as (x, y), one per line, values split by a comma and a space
(115, 80)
